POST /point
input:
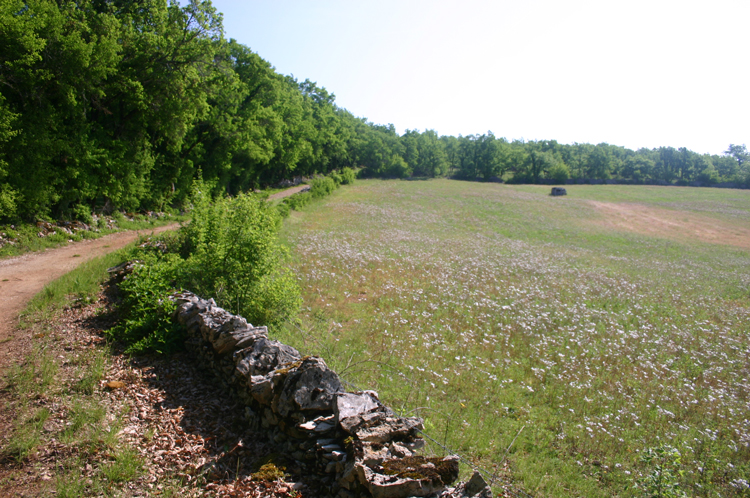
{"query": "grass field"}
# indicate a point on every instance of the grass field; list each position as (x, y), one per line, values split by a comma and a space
(589, 345)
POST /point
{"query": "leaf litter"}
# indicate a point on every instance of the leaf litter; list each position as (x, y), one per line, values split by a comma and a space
(186, 433)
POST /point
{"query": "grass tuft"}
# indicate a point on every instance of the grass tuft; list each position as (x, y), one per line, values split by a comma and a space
(126, 466)
(26, 435)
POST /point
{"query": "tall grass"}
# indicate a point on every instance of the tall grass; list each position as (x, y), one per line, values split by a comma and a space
(526, 335)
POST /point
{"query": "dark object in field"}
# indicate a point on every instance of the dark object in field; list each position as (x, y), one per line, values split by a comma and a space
(558, 191)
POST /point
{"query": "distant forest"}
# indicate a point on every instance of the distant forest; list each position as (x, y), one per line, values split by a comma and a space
(121, 104)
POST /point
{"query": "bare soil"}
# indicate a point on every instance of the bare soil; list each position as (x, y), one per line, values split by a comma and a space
(288, 192)
(671, 224)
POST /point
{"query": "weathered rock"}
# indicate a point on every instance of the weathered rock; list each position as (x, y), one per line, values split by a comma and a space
(373, 454)
(399, 451)
(558, 191)
(212, 321)
(241, 337)
(477, 487)
(310, 387)
(378, 427)
(267, 355)
(261, 388)
(120, 272)
(384, 486)
(318, 426)
(248, 337)
(352, 405)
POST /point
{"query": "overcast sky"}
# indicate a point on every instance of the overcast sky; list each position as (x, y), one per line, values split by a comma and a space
(633, 73)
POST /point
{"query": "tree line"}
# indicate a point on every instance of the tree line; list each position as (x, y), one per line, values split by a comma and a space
(121, 104)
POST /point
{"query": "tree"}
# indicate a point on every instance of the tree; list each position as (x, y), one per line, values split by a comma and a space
(599, 163)
(637, 167)
(432, 160)
(738, 153)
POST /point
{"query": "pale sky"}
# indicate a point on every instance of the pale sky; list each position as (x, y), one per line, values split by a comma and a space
(632, 73)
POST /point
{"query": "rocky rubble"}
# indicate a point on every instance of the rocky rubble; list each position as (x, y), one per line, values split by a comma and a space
(69, 227)
(99, 221)
(290, 183)
(7, 239)
(355, 444)
(120, 272)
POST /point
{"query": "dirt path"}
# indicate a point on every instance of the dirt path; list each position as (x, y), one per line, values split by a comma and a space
(23, 276)
(288, 192)
(668, 223)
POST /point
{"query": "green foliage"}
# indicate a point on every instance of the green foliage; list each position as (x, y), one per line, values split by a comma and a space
(337, 178)
(322, 187)
(348, 176)
(122, 105)
(83, 213)
(284, 209)
(397, 168)
(298, 201)
(229, 252)
(147, 322)
(559, 173)
(665, 471)
(8, 202)
(235, 258)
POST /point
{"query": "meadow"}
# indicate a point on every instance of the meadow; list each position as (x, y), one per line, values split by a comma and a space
(588, 345)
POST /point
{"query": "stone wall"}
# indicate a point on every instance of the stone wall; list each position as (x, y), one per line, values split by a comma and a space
(354, 444)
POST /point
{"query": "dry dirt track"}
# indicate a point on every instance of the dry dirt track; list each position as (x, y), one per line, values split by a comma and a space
(23, 276)
(668, 223)
(288, 192)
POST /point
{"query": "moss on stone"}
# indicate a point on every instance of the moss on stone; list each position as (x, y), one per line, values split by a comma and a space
(268, 472)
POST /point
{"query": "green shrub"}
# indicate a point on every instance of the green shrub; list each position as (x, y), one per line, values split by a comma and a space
(119, 218)
(322, 187)
(559, 173)
(348, 176)
(8, 202)
(147, 312)
(229, 252)
(236, 259)
(298, 201)
(283, 209)
(397, 168)
(82, 213)
(337, 178)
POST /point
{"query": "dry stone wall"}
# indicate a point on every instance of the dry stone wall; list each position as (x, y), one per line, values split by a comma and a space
(354, 444)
